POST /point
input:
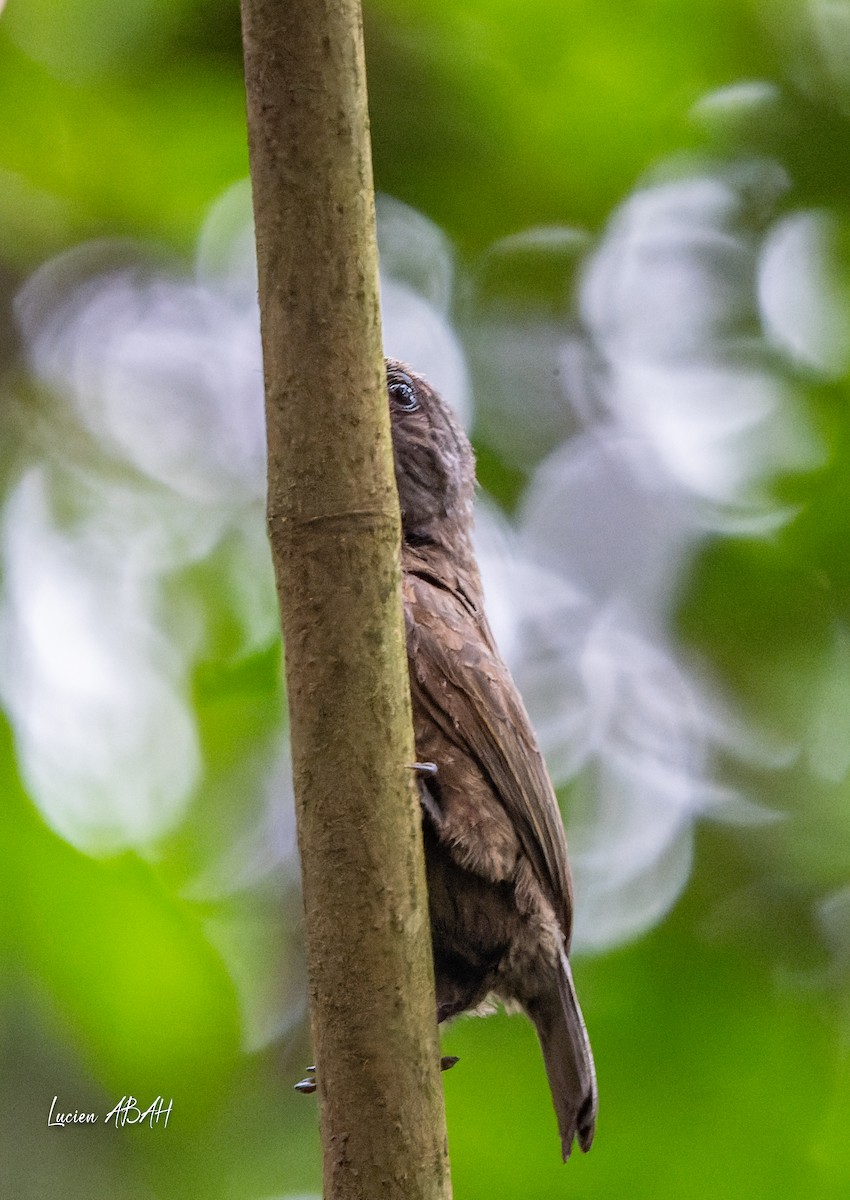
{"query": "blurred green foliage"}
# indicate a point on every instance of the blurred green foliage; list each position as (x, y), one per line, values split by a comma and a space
(721, 1036)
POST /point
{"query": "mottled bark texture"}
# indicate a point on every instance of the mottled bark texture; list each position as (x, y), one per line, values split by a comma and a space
(335, 532)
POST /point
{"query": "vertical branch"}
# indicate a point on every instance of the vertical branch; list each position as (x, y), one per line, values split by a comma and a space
(335, 532)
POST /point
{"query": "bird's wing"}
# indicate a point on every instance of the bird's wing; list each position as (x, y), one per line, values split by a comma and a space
(459, 680)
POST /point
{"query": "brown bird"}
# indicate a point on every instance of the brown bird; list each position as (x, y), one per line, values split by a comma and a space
(499, 886)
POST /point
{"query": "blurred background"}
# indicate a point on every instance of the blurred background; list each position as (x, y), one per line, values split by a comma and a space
(617, 236)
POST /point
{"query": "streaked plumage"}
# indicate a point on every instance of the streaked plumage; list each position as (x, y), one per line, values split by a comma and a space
(499, 883)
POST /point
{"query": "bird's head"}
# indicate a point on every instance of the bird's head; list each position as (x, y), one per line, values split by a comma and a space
(434, 463)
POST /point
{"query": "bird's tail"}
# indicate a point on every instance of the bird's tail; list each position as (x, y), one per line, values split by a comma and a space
(569, 1060)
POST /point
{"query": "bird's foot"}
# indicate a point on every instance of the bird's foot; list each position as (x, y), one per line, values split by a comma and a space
(429, 790)
(424, 768)
(307, 1086)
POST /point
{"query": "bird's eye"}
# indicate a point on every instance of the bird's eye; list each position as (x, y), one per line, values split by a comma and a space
(404, 395)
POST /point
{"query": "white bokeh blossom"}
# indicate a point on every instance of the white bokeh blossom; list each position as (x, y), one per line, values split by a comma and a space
(155, 376)
(664, 418)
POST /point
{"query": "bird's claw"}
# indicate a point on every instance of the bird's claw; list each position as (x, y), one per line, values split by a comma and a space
(424, 768)
(306, 1086)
